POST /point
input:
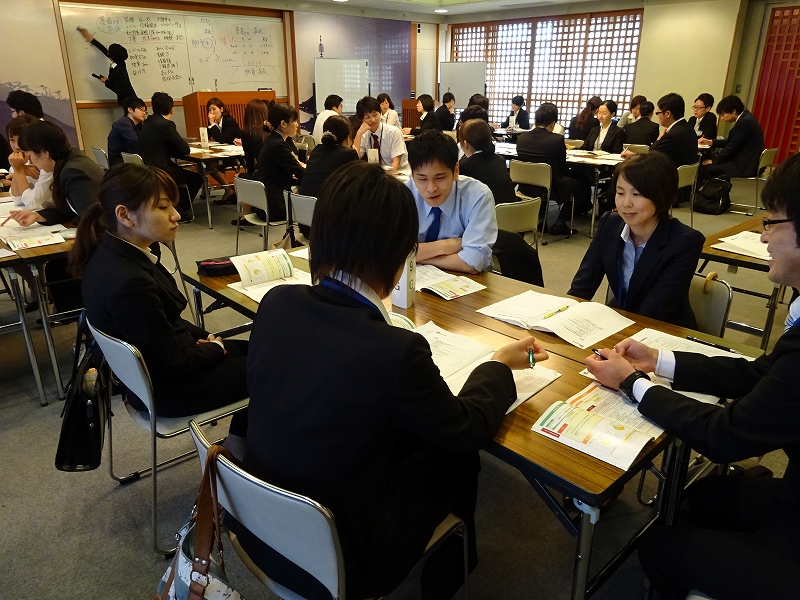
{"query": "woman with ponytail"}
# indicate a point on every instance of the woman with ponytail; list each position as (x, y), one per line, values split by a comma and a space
(131, 296)
(481, 163)
(76, 177)
(585, 121)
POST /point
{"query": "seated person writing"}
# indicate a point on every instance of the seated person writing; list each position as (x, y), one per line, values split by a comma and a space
(642, 131)
(131, 296)
(278, 167)
(386, 447)
(481, 163)
(738, 539)
(742, 149)
(373, 133)
(428, 119)
(457, 225)
(124, 134)
(647, 257)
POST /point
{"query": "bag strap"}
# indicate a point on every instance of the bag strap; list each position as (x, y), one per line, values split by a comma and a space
(165, 592)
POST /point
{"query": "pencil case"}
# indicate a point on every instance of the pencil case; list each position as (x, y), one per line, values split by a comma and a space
(216, 267)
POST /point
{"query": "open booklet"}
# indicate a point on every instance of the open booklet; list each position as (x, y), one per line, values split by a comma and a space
(601, 423)
(444, 284)
(262, 271)
(746, 243)
(32, 236)
(457, 356)
(582, 324)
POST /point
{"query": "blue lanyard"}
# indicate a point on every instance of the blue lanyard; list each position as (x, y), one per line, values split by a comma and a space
(337, 285)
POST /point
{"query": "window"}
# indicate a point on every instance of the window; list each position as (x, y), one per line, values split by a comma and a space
(563, 60)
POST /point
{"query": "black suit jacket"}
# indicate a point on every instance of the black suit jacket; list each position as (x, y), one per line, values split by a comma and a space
(324, 160)
(118, 80)
(159, 142)
(277, 165)
(336, 429)
(576, 133)
(679, 143)
(227, 133)
(542, 146)
(522, 121)
(764, 415)
(742, 148)
(80, 181)
(659, 286)
(615, 137)
(708, 125)
(429, 122)
(643, 131)
(447, 120)
(490, 169)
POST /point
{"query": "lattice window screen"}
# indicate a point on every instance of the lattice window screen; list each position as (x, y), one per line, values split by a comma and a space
(508, 57)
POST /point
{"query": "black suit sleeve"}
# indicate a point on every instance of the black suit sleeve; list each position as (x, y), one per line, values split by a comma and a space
(591, 272)
(100, 47)
(735, 142)
(617, 139)
(708, 125)
(424, 405)
(80, 189)
(175, 143)
(229, 132)
(523, 120)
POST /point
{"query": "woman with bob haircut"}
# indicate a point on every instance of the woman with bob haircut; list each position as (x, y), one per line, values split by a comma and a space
(647, 257)
(129, 295)
(372, 431)
(425, 107)
(388, 113)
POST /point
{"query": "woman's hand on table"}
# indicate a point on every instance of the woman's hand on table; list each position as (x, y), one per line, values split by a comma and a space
(516, 354)
(26, 217)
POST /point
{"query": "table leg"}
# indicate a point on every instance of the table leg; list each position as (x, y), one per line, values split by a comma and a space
(594, 199)
(206, 191)
(15, 287)
(583, 555)
(48, 334)
(198, 308)
(771, 307)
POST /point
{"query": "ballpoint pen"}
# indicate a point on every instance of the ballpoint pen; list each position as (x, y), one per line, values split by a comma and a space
(6, 221)
(597, 352)
(713, 345)
(531, 357)
(555, 312)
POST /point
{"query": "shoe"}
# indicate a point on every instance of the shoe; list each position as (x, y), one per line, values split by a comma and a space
(226, 200)
(32, 306)
(186, 218)
(561, 228)
(242, 222)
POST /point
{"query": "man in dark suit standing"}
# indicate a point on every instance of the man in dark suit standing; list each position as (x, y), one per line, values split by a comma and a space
(160, 142)
(742, 149)
(740, 540)
(444, 114)
(642, 131)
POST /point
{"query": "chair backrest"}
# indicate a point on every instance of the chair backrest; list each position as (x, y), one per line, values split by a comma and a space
(301, 146)
(710, 298)
(302, 207)
(451, 133)
(100, 157)
(252, 192)
(132, 158)
(309, 141)
(767, 158)
(637, 148)
(687, 174)
(300, 529)
(519, 216)
(573, 143)
(558, 128)
(127, 364)
(531, 174)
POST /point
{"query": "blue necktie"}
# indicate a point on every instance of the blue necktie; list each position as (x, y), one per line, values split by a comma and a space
(433, 231)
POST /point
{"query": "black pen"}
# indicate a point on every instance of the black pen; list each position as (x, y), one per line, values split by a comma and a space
(597, 352)
(713, 345)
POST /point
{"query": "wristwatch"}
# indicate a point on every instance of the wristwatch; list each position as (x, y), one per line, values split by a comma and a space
(626, 386)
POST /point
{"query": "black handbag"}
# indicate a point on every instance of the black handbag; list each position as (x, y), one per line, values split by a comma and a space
(714, 197)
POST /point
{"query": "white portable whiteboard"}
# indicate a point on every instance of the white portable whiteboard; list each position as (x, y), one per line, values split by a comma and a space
(463, 79)
(174, 51)
(348, 78)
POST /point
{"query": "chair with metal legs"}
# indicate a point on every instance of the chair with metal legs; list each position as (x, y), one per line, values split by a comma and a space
(519, 217)
(538, 174)
(687, 177)
(765, 161)
(100, 157)
(254, 194)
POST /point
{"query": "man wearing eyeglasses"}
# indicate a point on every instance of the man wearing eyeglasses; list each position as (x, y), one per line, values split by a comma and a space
(125, 131)
(703, 121)
(741, 538)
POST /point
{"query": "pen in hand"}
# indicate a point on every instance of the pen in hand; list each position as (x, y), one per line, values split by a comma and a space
(597, 352)
(531, 358)
(6, 221)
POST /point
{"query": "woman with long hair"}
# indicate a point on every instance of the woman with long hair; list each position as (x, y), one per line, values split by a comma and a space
(585, 121)
(222, 128)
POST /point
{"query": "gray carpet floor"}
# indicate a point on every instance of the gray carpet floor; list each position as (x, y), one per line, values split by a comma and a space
(77, 535)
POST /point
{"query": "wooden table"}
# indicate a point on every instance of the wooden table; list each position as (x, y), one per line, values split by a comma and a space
(546, 464)
(200, 159)
(709, 254)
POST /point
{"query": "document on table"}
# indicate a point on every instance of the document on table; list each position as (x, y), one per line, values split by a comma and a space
(704, 398)
(444, 284)
(14, 230)
(258, 290)
(231, 149)
(7, 207)
(581, 324)
(33, 236)
(6, 253)
(300, 252)
(746, 243)
(261, 267)
(665, 341)
(457, 356)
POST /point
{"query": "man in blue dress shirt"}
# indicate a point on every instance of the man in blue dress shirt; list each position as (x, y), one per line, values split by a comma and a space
(457, 224)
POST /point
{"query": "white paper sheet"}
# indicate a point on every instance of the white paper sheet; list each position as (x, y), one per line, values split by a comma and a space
(748, 241)
(261, 267)
(527, 309)
(430, 275)
(704, 398)
(665, 341)
(6, 253)
(300, 252)
(257, 291)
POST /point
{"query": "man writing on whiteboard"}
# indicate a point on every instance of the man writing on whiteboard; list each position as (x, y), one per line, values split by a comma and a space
(376, 135)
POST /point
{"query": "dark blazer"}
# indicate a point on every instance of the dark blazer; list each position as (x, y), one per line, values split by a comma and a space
(659, 286)
(80, 181)
(522, 121)
(129, 297)
(542, 146)
(159, 142)
(123, 137)
(742, 148)
(490, 168)
(338, 429)
(679, 143)
(575, 133)
(708, 125)
(277, 166)
(118, 80)
(642, 131)
(251, 148)
(447, 120)
(324, 160)
(429, 122)
(230, 130)
(615, 137)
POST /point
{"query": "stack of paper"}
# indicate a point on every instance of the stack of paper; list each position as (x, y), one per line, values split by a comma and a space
(457, 356)
(33, 236)
(582, 324)
(262, 271)
(444, 284)
(746, 243)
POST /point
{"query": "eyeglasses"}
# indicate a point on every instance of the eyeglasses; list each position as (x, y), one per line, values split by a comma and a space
(767, 223)
(660, 112)
(698, 107)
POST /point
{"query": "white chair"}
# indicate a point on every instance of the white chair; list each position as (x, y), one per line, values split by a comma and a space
(637, 148)
(519, 217)
(132, 158)
(174, 251)
(100, 157)
(300, 207)
(128, 366)
(309, 141)
(538, 174)
(253, 193)
(687, 177)
(710, 298)
(765, 161)
(299, 528)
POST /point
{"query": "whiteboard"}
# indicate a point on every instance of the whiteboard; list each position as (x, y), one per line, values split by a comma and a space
(348, 78)
(175, 51)
(463, 79)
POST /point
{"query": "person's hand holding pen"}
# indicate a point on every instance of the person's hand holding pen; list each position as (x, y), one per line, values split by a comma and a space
(24, 217)
(517, 355)
(85, 33)
(608, 367)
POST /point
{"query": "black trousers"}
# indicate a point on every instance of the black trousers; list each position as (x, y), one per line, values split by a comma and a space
(741, 543)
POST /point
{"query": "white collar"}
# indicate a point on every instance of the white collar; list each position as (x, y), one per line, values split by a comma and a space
(362, 288)
(673, 123)
(151, 257)
(625, 234)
